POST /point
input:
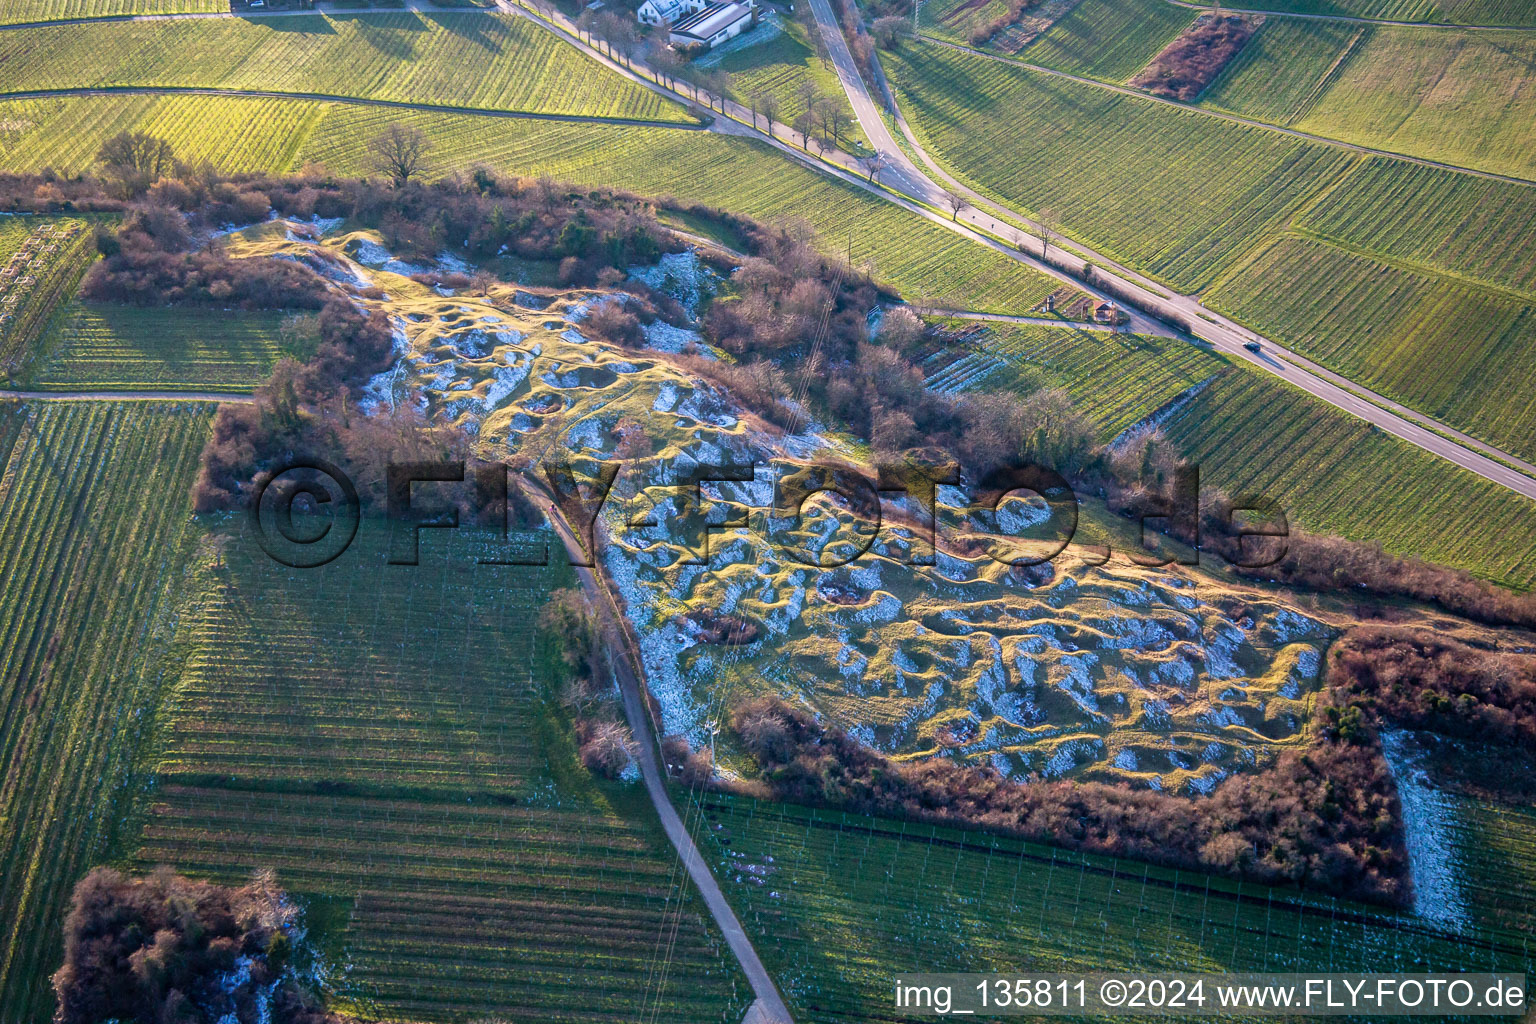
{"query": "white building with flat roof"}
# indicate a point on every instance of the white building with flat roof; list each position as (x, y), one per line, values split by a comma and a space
(713, 25)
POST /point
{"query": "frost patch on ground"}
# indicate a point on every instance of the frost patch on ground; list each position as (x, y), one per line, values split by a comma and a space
(1428, 822)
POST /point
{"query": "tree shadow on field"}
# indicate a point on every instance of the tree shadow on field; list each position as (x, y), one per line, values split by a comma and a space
(299, 26)
(489, 33)
(394, 37)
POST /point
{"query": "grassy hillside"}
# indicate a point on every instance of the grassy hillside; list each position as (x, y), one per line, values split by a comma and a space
(920, 258)
(1464, 98)
(1108, 39)
(376, 735)
(1459, 12)
(1458, 224)
(1459, 352)
(18, 11)
(1115, 379)
(1333, 473)
(480, 60)
(95, 551)
(1459, 97)
(1173, 193)
(1284, 67)
(844, 903)
(954, 20)
(127, 348)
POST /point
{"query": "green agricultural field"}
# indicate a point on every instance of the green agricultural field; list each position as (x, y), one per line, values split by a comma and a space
(236, 135)
(15, 12)
(95, 549)
(1458, 224)
(128, 348)
(37, 275)
(843, 905)
(1252, 434)
(780, 68)
(1114, 379)
(1174, 193)
(377, 736)
(498, 62)
(1108, 39)
(1457, 12)
(1461, 353)
(954, 20)
(1496, 850)
(1460, 97)
(1284, 68)
(919, 258)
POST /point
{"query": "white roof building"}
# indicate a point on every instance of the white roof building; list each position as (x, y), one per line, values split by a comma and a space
(666, 12)
(713, 25)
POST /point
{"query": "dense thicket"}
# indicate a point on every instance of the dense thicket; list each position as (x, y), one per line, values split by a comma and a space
(1324, 818)
(1428, 682)
(174, 951)
(1192, 61)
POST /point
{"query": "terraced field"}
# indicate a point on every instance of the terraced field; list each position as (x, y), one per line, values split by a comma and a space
(1254, 435)
(491, 61)
(375, 734)
(126, 348)
(954, 20)
(1108, 163)
(38, 274)
(1458, 224)
(1459, 12)
(236, 135)
(1462, 353)
(780, 68)
(1460, 97)
(845, 904)
(1108, 39)
(1279, 74)
(1115, 379)
(921, 259)
(19, 11)
(96, 550)
(1496, 849)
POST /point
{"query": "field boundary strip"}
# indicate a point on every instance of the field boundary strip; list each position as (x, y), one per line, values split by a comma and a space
(320, 97)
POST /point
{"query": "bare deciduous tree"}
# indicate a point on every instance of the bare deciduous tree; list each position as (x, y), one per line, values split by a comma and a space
(769, 104)
(956, 203)
(1046, 229)
(136, 159)
(400, 151)
(873, 165)
(805, 124)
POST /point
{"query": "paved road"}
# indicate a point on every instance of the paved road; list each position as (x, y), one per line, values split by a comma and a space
(129, 396)
(1225, 335)
(769, 1005)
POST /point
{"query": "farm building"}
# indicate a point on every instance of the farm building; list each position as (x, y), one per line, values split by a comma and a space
(667, 12)
(1107, 313)
(713, 25)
